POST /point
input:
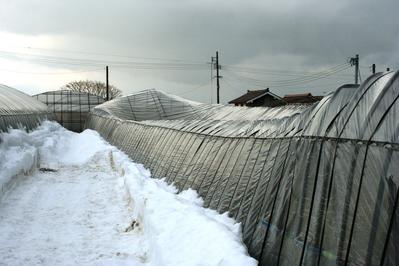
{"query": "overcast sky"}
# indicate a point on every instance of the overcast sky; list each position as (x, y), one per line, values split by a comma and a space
(285, 45)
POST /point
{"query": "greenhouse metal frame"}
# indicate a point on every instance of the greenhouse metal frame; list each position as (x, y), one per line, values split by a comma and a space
(70, 107)
(19, 110)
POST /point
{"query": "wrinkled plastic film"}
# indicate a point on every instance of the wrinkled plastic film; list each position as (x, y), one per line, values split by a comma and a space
(18, 110)
(310, 185)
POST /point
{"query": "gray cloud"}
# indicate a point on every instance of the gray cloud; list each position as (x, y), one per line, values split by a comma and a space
(294, 34)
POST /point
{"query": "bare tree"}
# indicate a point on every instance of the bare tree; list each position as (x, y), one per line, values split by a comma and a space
(94, 87)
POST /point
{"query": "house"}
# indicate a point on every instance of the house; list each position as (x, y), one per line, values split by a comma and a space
(268, 99)
(301, 98)
(258, 98)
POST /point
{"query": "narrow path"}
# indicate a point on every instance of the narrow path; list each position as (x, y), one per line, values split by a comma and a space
(100, 208)
(75, 216)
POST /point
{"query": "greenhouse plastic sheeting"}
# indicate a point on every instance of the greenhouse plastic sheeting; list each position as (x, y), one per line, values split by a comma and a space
(310, 185)
(18, 110)
(70, 107)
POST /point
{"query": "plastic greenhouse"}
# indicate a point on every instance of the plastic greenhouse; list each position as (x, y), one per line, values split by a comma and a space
(19, 110)
(311, 185)
(71, 108)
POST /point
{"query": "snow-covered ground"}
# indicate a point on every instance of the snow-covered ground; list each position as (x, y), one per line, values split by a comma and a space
(73, 199)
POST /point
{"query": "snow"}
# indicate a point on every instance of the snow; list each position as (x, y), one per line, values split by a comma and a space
(16, 157)
(91, 205)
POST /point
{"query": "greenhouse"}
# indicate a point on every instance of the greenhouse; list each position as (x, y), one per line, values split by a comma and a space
(19, 110)
(314, 185)
(70, 107)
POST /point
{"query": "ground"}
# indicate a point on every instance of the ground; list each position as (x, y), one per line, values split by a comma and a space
(73, 199)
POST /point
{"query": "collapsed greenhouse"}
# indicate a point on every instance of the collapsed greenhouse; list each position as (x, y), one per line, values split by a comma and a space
(70, 107)
(20, 110)
(309, 184)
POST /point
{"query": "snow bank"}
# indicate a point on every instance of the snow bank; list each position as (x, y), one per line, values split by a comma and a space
(19, 150)
(179, 231)
(17, 156)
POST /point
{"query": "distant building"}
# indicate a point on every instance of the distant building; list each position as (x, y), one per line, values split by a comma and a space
(268, 99)
(258, 98)
(301, 98)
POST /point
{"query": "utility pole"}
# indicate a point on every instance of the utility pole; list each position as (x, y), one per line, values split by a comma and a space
(373, 68)
(354, 61)
(215, 61)
(106, 81)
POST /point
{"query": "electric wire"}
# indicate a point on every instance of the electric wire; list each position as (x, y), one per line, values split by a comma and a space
(320, 74)
(227, 82)
(193, 89)
(284, 72)
(234, 71)
(278, 74)
(94, 62)
(108, 55)
(332, 70)
(291, 82)
(51, 73)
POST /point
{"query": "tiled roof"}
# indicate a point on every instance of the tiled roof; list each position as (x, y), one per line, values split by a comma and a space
(252, 95)
(301, 98)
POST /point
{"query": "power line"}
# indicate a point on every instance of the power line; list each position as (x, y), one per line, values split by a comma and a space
(108, 55)
(297, 81)
(298, 78)
(228, 81)
(279, 74)
(316, 74)
(225, 80)
(194, 89)
(51, 73)
(263, 85)
(93, 62)
(268, 71)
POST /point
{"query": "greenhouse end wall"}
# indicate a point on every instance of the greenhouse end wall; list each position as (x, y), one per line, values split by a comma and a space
(19, 110)
(70, 107)
(311, 185)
